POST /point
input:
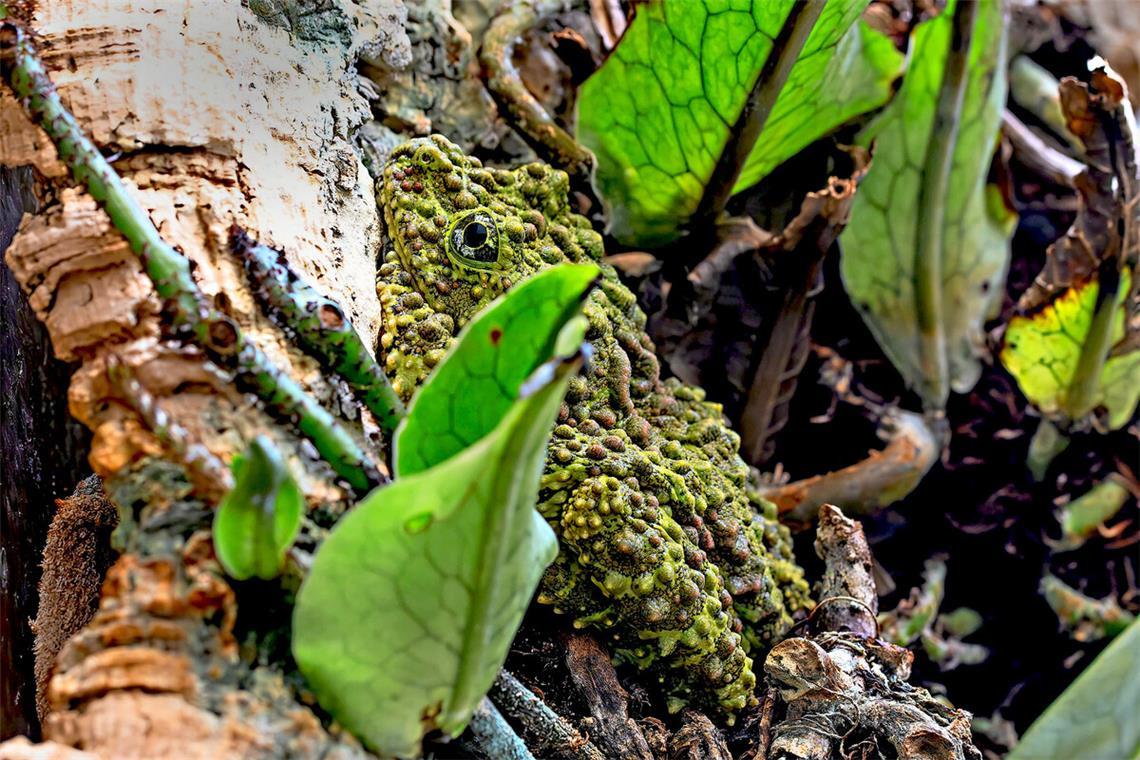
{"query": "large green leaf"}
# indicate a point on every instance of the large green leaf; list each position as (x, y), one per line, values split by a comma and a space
(413, 599)
(1096, 717)
(479, 378)
(259, 517)
(926, 251)
(1043, 350)
(660, 111)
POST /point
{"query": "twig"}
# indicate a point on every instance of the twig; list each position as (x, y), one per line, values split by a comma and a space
(169, 271)
(546, 730)
(492, 737)
(881, 479)
(764, 730)
(319, 325)
(504, 82)
(596, 680)
(210, 476)
(1037, 155)
(803, 246)
(840, 543)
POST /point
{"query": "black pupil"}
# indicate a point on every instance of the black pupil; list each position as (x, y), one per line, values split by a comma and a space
(475, 235)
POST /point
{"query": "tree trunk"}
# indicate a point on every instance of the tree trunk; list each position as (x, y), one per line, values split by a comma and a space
(43, 460)
(215, 116)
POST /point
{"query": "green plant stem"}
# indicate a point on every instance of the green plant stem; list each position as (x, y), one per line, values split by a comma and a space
(761, 100)
(937, 166)
(169, 271)
(1080, 397)
(320, 326)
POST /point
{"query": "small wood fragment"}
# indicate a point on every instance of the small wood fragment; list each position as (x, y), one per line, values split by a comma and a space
(546, 732)
(848, 578)
(491, 737)
(697, 739)
(609, 724)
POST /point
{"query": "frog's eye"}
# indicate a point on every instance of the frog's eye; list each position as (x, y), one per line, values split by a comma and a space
(474, 240)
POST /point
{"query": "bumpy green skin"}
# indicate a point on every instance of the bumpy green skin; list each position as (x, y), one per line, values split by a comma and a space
(660, 541)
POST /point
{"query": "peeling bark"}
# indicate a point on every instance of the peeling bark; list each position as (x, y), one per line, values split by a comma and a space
(246, 125)
(215, 116)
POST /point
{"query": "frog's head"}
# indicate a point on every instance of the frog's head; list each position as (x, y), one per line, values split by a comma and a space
(466, 233)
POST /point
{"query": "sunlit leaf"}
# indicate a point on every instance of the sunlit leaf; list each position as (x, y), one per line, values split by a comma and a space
(926, 290)
(660, 110)
(479, 378)
(1096, 717)
(258, 519)
(412, 601)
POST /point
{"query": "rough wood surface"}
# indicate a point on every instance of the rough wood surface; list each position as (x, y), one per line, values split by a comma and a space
(43, 458)
(218, 117)
(214, 116)
(609, 725)
(843, 692)
(847, 597)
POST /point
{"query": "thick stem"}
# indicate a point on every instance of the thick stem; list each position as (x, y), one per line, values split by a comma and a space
(491, 737)
(928, 251)
(1035, 154)
(319, 325)
(761, 100)
(549, 733)
(1080, 397)
(169, 271)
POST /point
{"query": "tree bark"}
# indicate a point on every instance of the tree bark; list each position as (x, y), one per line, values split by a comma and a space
(213, 115)
(43, 459)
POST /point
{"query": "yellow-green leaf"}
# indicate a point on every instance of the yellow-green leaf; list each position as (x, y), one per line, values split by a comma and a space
(1042, 351)
(258, 519)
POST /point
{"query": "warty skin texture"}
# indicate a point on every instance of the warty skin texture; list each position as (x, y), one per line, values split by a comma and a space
(660, 543)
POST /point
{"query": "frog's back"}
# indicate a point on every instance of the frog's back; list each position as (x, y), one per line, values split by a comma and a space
(644, 484)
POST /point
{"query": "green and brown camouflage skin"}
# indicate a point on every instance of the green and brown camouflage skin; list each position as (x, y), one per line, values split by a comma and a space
(661, 544)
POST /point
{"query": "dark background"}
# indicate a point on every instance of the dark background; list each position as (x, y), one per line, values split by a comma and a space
(43, 457)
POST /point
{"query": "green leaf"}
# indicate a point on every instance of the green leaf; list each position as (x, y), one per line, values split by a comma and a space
(926, 251)
(1081, 517)
(413, 599)
(660, 111)
(258, 519)
(1096, 717)
(1043, 350)
(961, 622)
(1085, 618)
(478, 380)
